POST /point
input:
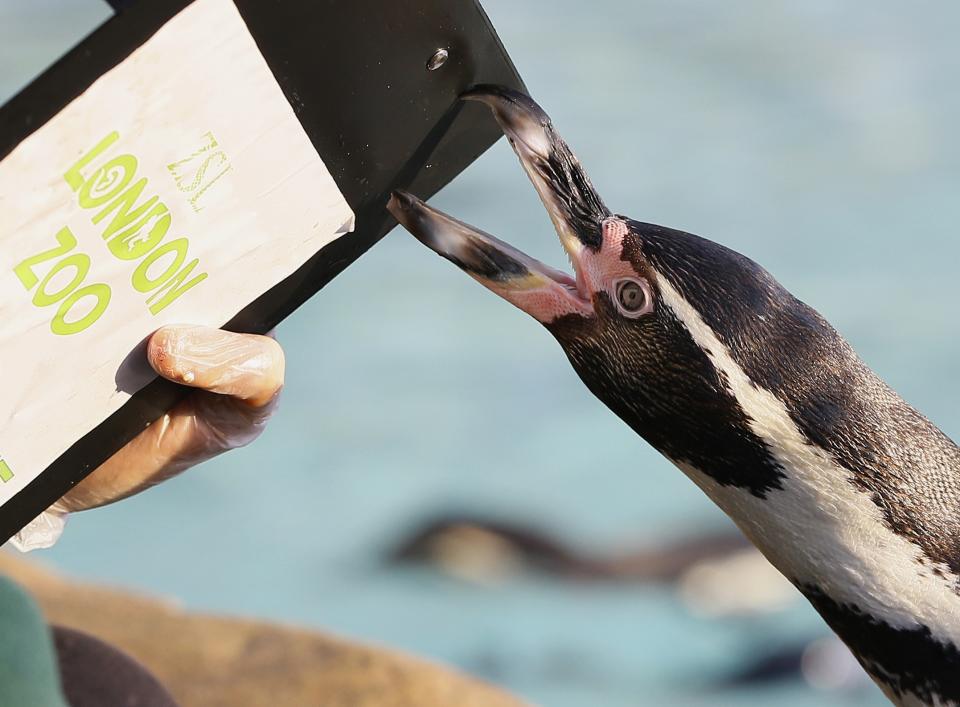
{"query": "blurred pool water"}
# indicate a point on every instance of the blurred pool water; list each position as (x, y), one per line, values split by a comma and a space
(819, 138)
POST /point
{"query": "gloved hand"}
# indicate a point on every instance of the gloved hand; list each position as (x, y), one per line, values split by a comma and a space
(238, 377)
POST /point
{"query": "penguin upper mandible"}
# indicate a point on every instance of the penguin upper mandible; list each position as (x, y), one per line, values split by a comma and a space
(848, 490)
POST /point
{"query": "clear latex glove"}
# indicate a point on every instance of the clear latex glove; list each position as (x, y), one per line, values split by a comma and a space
(238, 377)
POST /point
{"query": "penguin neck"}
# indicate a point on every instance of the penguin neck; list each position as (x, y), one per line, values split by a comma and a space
(836, 433)
(877, 588)
(863, 519)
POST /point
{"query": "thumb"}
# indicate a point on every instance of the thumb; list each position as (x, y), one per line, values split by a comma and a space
(247, 367)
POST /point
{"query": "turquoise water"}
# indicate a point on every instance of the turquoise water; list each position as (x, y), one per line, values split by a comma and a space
(817, 137)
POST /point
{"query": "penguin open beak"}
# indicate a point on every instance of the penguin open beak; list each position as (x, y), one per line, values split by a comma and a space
(536, 288)
(574, 206)
(565, 189)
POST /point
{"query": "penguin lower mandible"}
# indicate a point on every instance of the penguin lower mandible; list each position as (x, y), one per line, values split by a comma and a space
(847, 490)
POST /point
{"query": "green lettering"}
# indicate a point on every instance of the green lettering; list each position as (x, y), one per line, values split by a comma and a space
(24, 270)
(170, 285)
(107, 181)
(141, 276)
(80, 262)
(124, 202)
(132, 244)
(99, 291)
(73, 176)
(173, 166)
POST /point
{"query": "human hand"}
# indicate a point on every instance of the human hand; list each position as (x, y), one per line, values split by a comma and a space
(238, 378)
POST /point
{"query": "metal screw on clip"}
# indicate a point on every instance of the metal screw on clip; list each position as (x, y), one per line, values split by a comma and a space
(438, 59)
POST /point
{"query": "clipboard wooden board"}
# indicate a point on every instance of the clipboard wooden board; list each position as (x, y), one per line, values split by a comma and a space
(381, 115)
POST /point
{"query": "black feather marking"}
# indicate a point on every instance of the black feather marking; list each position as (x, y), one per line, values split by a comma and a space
(487, 261)
(905, 660)
(654, 376)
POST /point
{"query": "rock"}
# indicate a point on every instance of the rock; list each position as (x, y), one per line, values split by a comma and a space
(212, 661)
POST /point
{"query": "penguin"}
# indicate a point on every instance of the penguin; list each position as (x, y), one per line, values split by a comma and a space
(847, 490)
(714, 574)
(442, 540)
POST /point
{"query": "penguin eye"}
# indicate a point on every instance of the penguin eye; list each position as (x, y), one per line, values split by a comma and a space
(633, 297)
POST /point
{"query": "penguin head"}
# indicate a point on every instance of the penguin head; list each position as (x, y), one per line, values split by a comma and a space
(641, 319)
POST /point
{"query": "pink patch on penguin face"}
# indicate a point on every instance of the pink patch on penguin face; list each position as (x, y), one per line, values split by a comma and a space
(546, 303)
(550, 295)
(600, 270)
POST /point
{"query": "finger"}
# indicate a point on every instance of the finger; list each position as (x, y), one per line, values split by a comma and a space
(199, 427)
(166, 447)
(245, 366)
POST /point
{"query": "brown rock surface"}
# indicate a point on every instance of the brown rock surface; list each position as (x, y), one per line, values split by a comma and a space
(211, 661)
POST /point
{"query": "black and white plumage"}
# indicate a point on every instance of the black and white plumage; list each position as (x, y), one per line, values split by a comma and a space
(850, 492)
